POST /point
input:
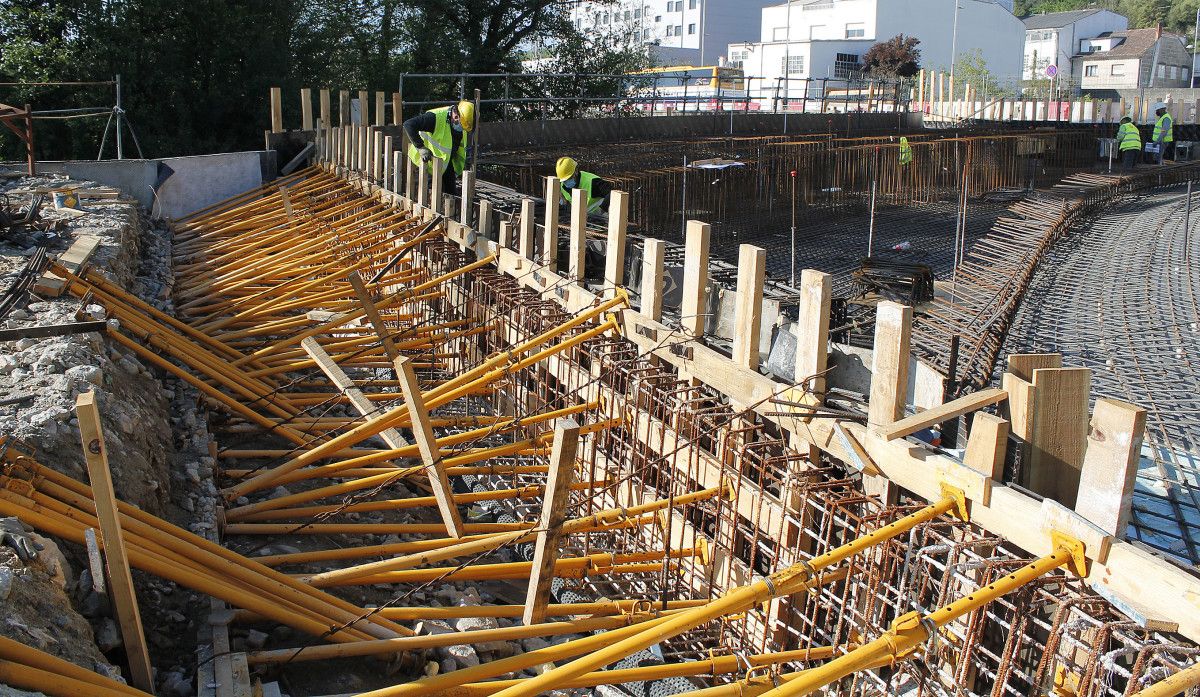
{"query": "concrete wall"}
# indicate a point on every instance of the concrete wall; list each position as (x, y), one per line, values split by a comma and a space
(175, 186)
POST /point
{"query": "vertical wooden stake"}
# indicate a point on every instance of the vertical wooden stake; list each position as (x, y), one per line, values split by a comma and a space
(380, 101)
(653, 255)
(398, 160)
(435, 183)
(695, 278)
(411, 176)
(614, 253)
(550, 225)
(752, 274)
(987, 445)
(124, 599)
(578, 242)
(1110, 465)
(397, 110)
(364, 108)
(423, 185)
(485, 218)
(889, 381)
(528, 229)
(343, 108)
(326, 117)
(468, 197)
(812, 346)
(306, 122)
(427, 444)
(388, 149)
(505, 239)
(276, 110)
(554, 514)
(1060, 429)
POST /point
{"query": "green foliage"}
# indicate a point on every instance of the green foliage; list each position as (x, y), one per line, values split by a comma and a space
(896, 57)
(197, 73)
(1176, 15)
(971, 69)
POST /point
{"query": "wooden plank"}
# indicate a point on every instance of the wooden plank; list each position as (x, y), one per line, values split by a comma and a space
(485, 218)
(276, 110)
(373, 317)
(397, 109)
(950, 410)
(427, 444)
(551, 223)
(554, 513)
(241, 675)
(398, 160)
(987, 445)
(752, 275)
(380, 109)
(889, 370)
(1023, 364)
(695, 278)
(614, 253)
(506, 234)
(221, 657)
(1110, 464)
(124, 599)
(364, 108)
(389, 148)
(812, 343)
(435, 183)
(306, 115)
(344, 108)
(326, 113)
(653, 256)
(77, 255)
(528, 229)
(423, 186)
(577, 248)
(1060, 425)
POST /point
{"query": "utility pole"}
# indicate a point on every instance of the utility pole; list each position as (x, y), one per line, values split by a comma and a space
(953, 46)
(120, 119)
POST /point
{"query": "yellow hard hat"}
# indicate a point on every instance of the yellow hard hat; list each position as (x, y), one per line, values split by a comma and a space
(466, 115)
(565, 168)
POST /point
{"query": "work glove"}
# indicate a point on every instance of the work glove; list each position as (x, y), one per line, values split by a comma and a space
(426, 154)
(13, 534)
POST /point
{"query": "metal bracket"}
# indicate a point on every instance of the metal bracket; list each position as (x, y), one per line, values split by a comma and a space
(1073, 546)
(960, 501)
(684, 352)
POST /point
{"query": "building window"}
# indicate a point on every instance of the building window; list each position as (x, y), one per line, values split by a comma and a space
(1118, 70)
(1162, 70)
(1091, 70)
(844, 64)
(691, 4)
(856, 30)
(678, 30)
(670, 30)
(792, 65)
(627, 14)
(1172, 72)
(606, 18)
(737, 59)
(780, 34)
(692, 30)
(657, 18)
(645, 33)
(637, 14)
(1183, 74)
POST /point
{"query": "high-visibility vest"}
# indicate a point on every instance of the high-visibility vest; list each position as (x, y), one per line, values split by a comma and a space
(905, 152)
(1129, 137)
(1164, 127)
(440, 143)
(585, 184)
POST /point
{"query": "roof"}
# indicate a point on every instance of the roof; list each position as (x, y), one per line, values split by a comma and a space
(1054, 20)
(1137, 42)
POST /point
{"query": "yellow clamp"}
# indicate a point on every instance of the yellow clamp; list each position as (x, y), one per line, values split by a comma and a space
(960, 501)
(1074, 547)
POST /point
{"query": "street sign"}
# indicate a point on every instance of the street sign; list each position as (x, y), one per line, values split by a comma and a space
(1051, 70)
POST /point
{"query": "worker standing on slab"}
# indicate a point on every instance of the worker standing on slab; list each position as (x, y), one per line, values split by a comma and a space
(572, 178)
(441, 134)
(1129, 144)
(906, 154)
(1164, 132)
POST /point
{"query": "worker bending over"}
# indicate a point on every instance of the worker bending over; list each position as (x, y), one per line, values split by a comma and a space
(572, 178)
(1164, 132)
(1129, 144)
(441, 134)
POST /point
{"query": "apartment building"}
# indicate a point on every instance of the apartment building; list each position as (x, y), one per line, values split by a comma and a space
(1056, 38)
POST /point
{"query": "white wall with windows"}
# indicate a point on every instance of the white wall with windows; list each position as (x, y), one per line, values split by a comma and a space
(1057, 45)
(831, 36)
(692, 32)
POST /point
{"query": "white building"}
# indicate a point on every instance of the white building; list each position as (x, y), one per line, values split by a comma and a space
(1056, 38)
(677, 32)
(827, 38)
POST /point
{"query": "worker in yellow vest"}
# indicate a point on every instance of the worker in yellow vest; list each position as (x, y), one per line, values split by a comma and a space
(572, 178)
(906, 154)
(1164, 135)
(439, 136)
(1128, 143)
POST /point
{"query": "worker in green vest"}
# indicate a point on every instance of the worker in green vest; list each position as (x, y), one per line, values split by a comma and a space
(572, 178)
(1128, 143)
(1164, 133)
(439, 136)
(905, 151)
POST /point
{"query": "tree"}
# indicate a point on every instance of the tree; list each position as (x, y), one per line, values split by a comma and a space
(971, 69)
(584, 66)
(896, 57)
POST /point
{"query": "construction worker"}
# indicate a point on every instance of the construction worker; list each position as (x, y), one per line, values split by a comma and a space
(1128, 143)
(441, 134)
(1164, 132)
(905, 151)
(572, 178)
